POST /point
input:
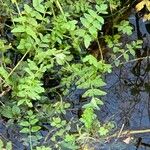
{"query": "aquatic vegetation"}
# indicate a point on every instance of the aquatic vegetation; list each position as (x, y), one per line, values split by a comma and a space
(53, 37)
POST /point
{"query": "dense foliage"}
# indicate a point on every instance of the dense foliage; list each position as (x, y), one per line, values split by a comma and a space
(48, 57)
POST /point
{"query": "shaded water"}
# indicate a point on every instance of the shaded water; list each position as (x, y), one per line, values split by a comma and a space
(128, 100)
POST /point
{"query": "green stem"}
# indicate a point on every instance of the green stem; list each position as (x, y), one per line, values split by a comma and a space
(18, 8)
(60, 8)
(119, 56)
(100, 50)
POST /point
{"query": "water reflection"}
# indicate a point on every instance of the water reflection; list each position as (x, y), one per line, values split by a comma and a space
(128, 98)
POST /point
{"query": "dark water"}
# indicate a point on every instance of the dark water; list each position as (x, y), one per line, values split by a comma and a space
(128, 100)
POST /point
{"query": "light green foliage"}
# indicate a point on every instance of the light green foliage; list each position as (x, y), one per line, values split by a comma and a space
(4, 77)
(114, 4)
(124, 27)
(81, 6)
(119, 49)
(43, 148)
(52, 37)
(88, 117)
(92, 23)
(57, 122)
(3, 46)
(113, 40)
(62, 128)
(29, 125)
(8, 145)
(70, 142)
(29, 87)
(105, 129)
(4, 60)
(38, 6)
(10, 112)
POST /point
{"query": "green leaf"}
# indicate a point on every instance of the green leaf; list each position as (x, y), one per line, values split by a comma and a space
(93, 31)
(94, 92)
(57, 120)
(96, 24)
(85, 22)
(21, 19)
(13, 1)
(126, 56)
(25, 123)
(95, 102)
(25, 130)
(29, 30)
(125, 27)
(32, 65)
(3, 73)
(88, 117)
(16, 110)
(100, 19)
(102, 8)
(9, 146)
(84, 85)
(132, 51)
(28, 9)
(20, 102)
(92, 13)
(89, 18)
(19, 29)
(117, 63)
(38, 6)
(87, 40)
(34, 121)
(35, 128)
(60, 58)
(116, 49)
(70, 25)
(30, 112)
(91, 59)
(1, 144)
(97, 82)
(103, 131)
(7, 112)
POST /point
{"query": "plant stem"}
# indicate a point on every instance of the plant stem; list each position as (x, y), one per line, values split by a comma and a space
(60, 8)
(131, 132)
(18, 8)
(100, 50)
(18, 64)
